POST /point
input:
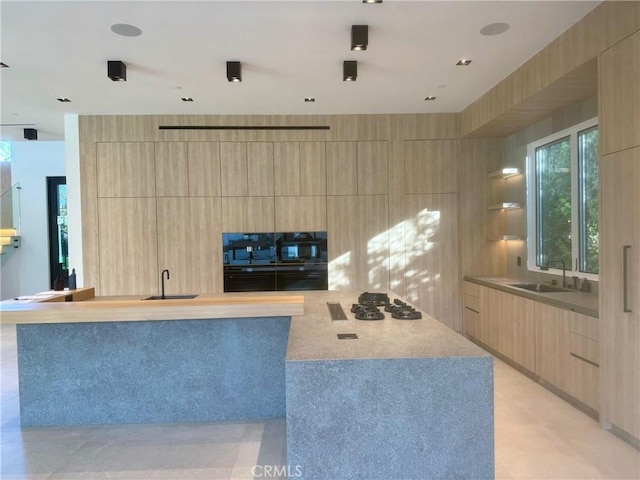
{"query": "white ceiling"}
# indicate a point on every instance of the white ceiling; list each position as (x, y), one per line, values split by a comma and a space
(289, 50)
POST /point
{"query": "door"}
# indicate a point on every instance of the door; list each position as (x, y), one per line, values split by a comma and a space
(58, 229)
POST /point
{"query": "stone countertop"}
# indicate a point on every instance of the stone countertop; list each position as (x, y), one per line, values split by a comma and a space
(313, 336)
(581, 302)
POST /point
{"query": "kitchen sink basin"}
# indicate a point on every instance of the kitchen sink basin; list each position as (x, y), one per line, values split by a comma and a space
(539, 287)
(169, 297)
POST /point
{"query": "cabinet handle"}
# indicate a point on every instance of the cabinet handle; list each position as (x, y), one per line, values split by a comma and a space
(625, 278)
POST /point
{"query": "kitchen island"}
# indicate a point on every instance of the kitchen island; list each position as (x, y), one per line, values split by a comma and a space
(405, 399)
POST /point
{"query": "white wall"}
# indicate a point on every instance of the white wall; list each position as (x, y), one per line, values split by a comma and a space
(27, 271)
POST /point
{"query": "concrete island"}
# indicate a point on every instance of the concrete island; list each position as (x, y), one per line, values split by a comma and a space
(405, 399)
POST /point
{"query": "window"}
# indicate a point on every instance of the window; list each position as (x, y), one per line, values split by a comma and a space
(563, 200)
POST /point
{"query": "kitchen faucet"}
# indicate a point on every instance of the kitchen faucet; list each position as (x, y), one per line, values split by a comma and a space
(564, 270)
(162, 281)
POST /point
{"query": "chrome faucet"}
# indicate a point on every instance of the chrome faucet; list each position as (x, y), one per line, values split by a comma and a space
(564, 270)
(162, 281)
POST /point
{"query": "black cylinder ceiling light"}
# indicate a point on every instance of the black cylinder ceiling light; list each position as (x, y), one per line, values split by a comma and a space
(234, 71)
(349, 70)
(30, 134)
(359, 37)
(117, 71)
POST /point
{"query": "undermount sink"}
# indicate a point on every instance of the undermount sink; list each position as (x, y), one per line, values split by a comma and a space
(539, 287)
(169, 297)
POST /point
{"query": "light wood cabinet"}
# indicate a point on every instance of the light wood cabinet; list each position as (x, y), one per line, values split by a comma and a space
(313, 168)
(620, 290)
(620, 95)
(430, 166)
(190, 244)
(286, 168)
(204, 169)
(125, 169)
(373, 168)
(552, 344)
(358, 242)
(248, 214)
(584, 359)
(294, 214)
(471, 311)
(128, 250)
(342, 168)
(260, 169)
(431, 251)
(172, 171)
(234, 169)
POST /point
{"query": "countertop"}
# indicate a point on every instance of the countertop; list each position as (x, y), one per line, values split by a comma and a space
(581, 302)
(312, 336)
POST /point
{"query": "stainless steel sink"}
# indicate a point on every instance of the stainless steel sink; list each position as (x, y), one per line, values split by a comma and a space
(539, 287)
(169, 297)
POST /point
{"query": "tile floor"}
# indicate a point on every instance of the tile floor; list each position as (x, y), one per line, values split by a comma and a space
(538, 436)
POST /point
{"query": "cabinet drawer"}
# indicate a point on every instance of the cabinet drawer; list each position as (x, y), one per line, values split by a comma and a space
(472, 303)
(584, 348)
(584, 325)
(472, 289)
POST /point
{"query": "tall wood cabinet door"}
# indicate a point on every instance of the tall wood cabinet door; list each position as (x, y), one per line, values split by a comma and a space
(313, 168)
(286, 168)
(294, 214)
(204, 169)
(126, 169)
(233, 169)
(358, 242)
(248, 214)
(260, 169)
(552, 344)
(620, 95)
(517, 329)
(128, 249)
(190, 244)
(620, 290)
(432, 256)
(342, 168)
(373, 168)
(430, 166)
(172, 172)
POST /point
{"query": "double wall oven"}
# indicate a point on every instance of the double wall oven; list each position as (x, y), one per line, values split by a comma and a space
(275, 261)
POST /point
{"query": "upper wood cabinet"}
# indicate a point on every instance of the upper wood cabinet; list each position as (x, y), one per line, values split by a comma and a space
(358, 242)
(126, 169)
(286, 168)
(248, 214)
(430, 166)
(620, 95)
(342, 168)
(294, 214)
(620, 290)
(128, 246)
(373, 168)
(260, 169)
(313, 168)
(204, 169)
(233, 169)
(432, 249)
(190, 244)
(172, 177)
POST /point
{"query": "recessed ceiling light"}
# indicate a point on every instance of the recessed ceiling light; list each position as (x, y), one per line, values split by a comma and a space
(187, 99)
(63, 99)
(126, 30)
(309, 99)
(494, 29)
(430, 98)
(3, 65)
(463, 62)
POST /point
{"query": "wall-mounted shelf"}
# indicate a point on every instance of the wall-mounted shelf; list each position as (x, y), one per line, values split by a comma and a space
(505, 206)
(506, 237)
(504, 173)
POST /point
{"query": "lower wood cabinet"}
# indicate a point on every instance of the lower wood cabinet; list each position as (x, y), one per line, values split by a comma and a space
(560, 346)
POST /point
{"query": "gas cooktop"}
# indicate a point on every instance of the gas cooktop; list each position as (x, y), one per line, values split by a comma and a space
(368, 303)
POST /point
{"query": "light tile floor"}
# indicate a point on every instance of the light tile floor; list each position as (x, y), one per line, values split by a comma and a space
(538, 436)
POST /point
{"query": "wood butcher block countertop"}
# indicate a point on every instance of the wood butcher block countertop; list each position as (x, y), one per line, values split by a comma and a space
(52, 308)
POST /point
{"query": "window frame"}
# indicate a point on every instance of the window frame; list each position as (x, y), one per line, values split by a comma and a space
(532, 193)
